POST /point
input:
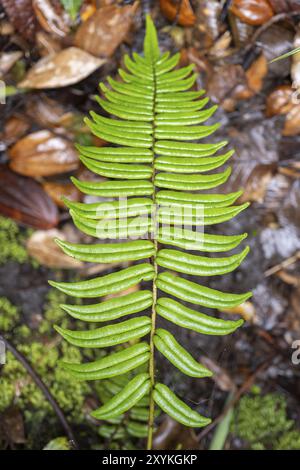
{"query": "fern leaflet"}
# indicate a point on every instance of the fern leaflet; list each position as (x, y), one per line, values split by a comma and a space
(161, 172)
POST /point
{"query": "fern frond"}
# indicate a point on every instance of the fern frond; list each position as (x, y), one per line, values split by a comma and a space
(158, 170)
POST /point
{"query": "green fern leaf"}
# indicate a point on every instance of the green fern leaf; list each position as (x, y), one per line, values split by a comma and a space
(158, 173)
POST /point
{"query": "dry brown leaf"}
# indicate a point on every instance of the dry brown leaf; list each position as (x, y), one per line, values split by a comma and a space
(287, 6)
(103, 32)
(51, 17)
(257, 182)
(224, 82)
(43, 153)
(42, 247)
(292, 121)
(56, 190)
(15, 127)
(173, 435)
(8, 60)
(282, 101)
(58, 70)
(256, 73)
(24, 200)
(21, 15)
(279, 101)
(48, 113)
(179, 10)
(254, 12)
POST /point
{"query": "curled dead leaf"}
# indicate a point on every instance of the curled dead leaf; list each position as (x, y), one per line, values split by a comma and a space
(104, 31)
(279, 101)
(285, 100)
(256, 74)
(43, 153)
(24, 200)
(178, 10)
(254, 12)
(61, 69)
(41, 246)
(57, 190)
(51, 17)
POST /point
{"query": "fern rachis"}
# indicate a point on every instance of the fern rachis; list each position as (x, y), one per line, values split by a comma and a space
(161, 174)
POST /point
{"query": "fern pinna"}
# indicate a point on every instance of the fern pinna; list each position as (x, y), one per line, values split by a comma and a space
(160, 175)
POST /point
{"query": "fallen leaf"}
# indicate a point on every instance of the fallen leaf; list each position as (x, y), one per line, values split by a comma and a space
(224, 83)
(21, 15)
(48, 113)
(173, 435)
(57, 190)
(279, 101)
(24, 200)
(61, 69)
(257, 183)
(181, 11)
(246, 310)
(52, 17)
(42, 247)
(254, 12)
(256, 74)
(285, 6)
(220, 376)
(292, 121)
(43, 153)
(7, 61)
(104, 31)
(15, 127)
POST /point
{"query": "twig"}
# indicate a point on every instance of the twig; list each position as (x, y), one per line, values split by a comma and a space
(273, 20)
(284, 264)
(40, 384)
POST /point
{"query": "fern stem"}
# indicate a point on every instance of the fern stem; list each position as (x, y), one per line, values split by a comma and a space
(152, 359)
(154, 291)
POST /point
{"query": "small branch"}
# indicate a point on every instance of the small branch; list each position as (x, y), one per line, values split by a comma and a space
(40, 384)
(284, 264)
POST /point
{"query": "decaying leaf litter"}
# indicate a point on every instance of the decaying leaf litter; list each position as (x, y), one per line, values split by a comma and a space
(52, 61)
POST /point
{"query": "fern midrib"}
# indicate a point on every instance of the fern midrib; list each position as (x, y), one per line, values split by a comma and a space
(154, 288)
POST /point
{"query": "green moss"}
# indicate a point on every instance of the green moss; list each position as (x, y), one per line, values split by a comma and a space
(289, 441)
(17, 386)
(60, 443)
(12, 242)
(53, 314)
(262, 422)
(9, 315)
